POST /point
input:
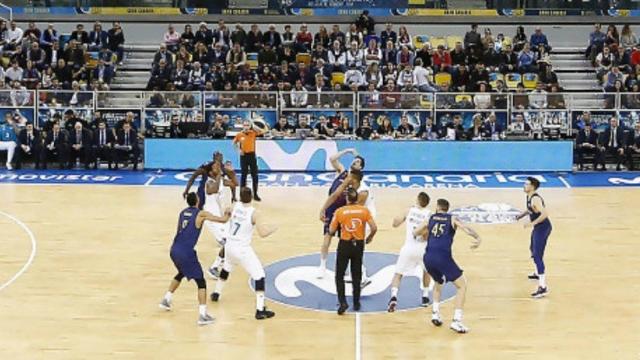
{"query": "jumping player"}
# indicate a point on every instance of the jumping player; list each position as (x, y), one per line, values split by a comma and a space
(412, 251)
(203, 172)
(541, 224)
(438, 260)
(214, 205)
(244, 218)
(185, 258)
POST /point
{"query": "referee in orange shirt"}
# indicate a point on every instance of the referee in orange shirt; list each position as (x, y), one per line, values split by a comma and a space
(245, 141)
(352, 220)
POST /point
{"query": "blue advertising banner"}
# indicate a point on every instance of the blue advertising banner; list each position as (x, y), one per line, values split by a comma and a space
(406, 156)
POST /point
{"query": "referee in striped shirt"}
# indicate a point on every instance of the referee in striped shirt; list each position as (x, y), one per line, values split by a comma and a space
(245, 142)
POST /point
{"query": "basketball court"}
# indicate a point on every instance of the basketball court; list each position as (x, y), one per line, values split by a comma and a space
(83, 267)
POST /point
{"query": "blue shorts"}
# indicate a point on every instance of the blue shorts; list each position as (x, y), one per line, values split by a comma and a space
(187, 263)
(441, 267)
(539, 236)
(328, 216)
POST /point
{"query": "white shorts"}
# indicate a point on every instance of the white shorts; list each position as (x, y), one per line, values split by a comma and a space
(218, 230)
(409, 259)
(245, 257)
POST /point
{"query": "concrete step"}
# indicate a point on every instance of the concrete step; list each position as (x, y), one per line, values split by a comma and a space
(576, 76)
(138, 67)
(568, 63)
(140, 81)
(140, 56)
(116, 86)
(146, 47)
(570, 56)
(568, 49)
(138, 61)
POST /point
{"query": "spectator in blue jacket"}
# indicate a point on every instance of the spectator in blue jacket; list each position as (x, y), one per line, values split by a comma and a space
(526, 60)
(8, 138)
(538, 38)
(596, 43)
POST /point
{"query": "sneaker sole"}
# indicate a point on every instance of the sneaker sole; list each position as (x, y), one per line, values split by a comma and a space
(458, 331)
(437, 323)
(212, 275)
(540, 296)
(164, 307)
(203, 323)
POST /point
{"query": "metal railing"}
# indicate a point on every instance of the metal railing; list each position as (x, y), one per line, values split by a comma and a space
(560, 111)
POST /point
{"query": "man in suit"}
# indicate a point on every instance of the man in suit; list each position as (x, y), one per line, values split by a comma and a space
(587, 143)
(612, 142)
(127, 144)
(80, 145)
(633, 145)
(492, 129)
(29, 146)
(56, 146)
(103, 140)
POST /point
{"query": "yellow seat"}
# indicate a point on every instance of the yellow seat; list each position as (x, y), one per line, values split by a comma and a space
(337, 78)
(304, 58)
(252, 60)
(419, 41)
(426, 101)
(452, 40)
(436, 41)
(464, 97)
(530, 80)
(494, 77)
(442, 78)
(513, 79)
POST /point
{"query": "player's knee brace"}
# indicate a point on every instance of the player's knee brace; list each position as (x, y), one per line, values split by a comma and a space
(201, 283)
(224, 274)
(178, 277)
(260, 284)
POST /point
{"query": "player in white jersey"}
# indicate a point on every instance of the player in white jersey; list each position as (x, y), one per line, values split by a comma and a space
(216, 195)
(365, 198)
(412, 252)
(244, 218)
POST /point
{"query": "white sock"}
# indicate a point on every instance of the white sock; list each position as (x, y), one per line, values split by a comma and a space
(259, 300)
(217, 262)
(457, 315)
(394, 292)
(432, 284)
(436, 307)
(425, 292)
(323, 264)
(168, 296)
(542, 281)
(219, 286)
(202, 309)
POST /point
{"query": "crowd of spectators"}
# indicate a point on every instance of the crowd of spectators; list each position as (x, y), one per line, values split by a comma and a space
(34, 58)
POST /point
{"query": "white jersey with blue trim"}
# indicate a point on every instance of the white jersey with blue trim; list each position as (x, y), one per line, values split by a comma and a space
(370, 203)
(416, 217)
(240, 225)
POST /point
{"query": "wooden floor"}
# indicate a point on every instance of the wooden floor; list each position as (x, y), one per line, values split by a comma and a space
(102, 266)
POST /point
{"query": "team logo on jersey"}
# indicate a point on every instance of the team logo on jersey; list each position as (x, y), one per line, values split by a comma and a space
(488, 213)
(294, 281)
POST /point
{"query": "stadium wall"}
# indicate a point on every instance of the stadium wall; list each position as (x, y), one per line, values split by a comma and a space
(397, 156)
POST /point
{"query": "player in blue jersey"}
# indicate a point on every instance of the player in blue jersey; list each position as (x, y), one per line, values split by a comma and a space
(185, 258)
(539, 218)
(326, 213)
(438, 260)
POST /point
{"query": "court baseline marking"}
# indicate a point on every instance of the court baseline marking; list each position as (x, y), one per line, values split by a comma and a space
(33, 249)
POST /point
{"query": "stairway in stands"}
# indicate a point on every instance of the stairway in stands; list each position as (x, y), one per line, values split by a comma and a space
(135, 72)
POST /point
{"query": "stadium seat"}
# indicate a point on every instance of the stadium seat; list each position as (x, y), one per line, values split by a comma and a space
(494, 77)
(529, 80)
(252, 60)
(426, 101)
(442, 78)
(513, 79)
(464, 98)
(337, 78)
(303, 58)
(419, 41)
(369, 38)
(91, 59)
(452, 40)
(436, 41)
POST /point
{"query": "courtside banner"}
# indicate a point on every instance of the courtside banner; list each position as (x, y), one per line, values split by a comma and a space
(406, 156)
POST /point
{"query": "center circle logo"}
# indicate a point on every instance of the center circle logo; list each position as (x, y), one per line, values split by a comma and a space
(295, 282)
(487, 213)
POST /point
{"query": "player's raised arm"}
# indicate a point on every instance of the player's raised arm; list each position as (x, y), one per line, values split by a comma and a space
(476, 237)
(399, 220)
(333, 197)
(264, 230)
(537, 205)
(198, 172)
(335, 159)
